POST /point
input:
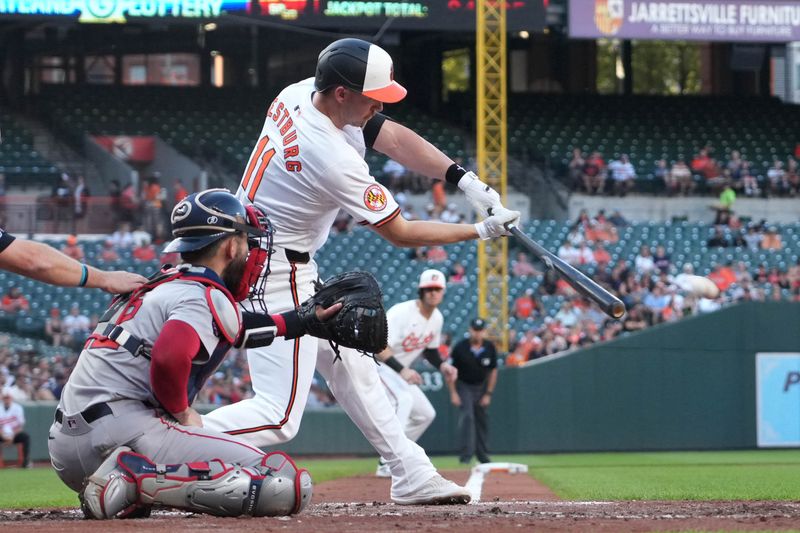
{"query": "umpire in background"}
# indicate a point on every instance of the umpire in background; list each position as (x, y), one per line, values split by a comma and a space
(476, 361)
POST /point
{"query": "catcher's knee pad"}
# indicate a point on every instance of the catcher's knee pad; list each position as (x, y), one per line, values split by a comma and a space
(289, 489)
(275, 487)
(110, 492)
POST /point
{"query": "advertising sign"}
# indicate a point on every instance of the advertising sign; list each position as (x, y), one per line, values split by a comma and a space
(136, 149)
(778, 399)
(120, 10)
(710, 20)
(441, 15)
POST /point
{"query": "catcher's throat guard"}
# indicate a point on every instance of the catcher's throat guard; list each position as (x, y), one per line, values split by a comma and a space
(256, 270)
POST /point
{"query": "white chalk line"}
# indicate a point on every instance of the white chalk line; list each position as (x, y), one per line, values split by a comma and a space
(475, 482)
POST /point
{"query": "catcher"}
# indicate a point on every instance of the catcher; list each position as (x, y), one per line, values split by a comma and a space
(125, 435)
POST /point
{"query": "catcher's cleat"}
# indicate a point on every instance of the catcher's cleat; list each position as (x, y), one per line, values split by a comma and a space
(436, 491)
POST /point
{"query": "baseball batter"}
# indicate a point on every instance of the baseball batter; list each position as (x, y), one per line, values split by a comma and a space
(415, 328)
(124, 423)
(307, 164)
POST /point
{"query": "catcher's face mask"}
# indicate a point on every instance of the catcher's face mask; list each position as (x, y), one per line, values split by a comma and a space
(256, 270)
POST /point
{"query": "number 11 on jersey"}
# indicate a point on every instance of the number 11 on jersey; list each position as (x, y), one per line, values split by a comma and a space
(261, 158)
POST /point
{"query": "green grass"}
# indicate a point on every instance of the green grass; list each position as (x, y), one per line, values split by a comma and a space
(34, 488)
(738, 475)
(732, 475)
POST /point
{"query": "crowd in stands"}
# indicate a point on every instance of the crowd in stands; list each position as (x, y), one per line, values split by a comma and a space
(591, 174)
(652, 287)
(650, 284)
(704, 173)
(146, 209)
(29, 377)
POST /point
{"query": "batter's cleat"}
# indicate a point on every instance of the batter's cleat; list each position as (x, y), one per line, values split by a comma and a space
(109, 492)
(383, 470)
(436, 491)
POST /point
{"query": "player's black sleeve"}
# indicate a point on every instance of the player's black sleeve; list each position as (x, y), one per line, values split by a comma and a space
(257, 330)
(372, 128)
(433, 357)
(5, 239)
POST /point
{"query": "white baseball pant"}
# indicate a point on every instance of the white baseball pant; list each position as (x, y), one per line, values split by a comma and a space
(282, 373)
(412, 407)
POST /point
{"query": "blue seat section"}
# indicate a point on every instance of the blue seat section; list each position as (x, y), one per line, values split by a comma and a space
(398, 274)
(20, 163)
(649, 128)
(222, 124)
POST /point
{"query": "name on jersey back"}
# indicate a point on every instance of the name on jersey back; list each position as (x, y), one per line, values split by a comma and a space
(280, 115)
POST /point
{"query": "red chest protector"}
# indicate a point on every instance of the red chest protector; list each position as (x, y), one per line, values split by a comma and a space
(110, 332)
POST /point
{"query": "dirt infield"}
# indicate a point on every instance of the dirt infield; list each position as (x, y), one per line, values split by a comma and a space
(509, 502)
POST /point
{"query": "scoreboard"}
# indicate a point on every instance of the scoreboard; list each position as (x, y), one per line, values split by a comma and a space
(440, 15)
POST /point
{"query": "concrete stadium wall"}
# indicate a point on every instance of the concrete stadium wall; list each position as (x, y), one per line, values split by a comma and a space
(689, 385)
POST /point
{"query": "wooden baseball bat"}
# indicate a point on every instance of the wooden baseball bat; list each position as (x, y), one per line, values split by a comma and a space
(610, 304)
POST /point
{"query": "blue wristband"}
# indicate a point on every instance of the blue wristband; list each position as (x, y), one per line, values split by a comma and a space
(84, 276)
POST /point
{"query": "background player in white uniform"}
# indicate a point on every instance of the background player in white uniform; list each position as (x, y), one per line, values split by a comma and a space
(415, 328)
(138, 374)
(307, 165)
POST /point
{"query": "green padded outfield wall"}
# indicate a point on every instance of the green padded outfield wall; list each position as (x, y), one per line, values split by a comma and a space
(689, 385)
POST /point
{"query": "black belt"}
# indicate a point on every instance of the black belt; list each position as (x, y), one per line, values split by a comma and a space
(297, 257)
(98, 410)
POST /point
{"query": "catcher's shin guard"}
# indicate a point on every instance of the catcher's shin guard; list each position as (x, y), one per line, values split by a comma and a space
(276, 487)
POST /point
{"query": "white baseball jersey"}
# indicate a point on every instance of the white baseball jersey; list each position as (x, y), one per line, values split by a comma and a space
(11, 419)
(288, 165)
(410, 333)
(303, 170)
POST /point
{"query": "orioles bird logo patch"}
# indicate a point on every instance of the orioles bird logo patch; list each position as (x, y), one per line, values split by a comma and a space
(375, 198)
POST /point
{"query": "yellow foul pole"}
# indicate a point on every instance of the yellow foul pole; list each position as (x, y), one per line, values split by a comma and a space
(492, 140)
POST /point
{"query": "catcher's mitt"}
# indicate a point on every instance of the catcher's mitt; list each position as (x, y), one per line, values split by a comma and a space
(360, 324)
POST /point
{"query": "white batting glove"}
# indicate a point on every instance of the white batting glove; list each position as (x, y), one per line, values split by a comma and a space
(494, 226)
(481, 196)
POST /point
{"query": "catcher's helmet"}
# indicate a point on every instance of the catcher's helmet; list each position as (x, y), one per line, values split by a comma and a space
(204, 217)
(361, 67)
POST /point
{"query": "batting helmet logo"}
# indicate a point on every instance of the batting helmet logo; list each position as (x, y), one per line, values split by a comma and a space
(212, 220)
(375, 198)
(181, 211)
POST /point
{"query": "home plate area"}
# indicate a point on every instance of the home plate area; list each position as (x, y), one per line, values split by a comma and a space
(509, 500)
